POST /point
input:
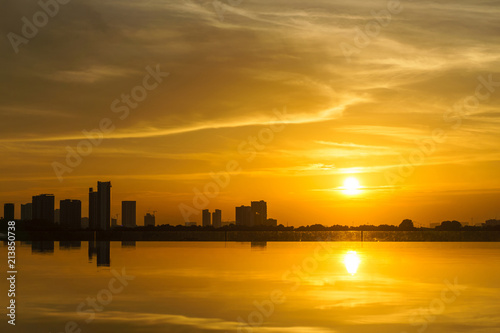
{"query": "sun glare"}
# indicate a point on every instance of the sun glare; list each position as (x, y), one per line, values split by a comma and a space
(351, 261)
(351, 186)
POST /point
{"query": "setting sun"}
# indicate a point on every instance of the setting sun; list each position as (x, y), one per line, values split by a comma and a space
(351, 186)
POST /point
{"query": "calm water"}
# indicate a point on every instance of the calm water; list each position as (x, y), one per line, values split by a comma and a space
(243, 287)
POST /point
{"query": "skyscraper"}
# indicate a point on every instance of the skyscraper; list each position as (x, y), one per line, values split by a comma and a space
(104, 205)
(43, 207)
(217, 218)
(259, 211)
(206, 221)
(26, 212)
(244, 216)
(149, 220)
(93, 209)
(70, 214)
(128, 214)
(8, 211)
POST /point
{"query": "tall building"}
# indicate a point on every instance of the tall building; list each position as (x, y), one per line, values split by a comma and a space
(259, 211)
(93, 211)
(71, 214)
(149, 220)
(128, 214)
(8, 211)
(26, 212)
(217, 218)
(43, 207)
(206, 221)
(244, 216)
(104, 205)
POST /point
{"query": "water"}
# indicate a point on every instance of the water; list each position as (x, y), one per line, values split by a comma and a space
(276, 287)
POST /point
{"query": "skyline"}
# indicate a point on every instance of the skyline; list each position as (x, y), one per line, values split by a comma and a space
(301, 95)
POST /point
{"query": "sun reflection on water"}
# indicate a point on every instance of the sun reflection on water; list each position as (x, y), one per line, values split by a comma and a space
(352, 261)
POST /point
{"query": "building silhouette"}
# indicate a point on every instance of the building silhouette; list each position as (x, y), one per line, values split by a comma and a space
(57, 216)
(149, 220)
(272, 223)
(244, 216)
(114, 222)
(71, 214)
(104, 205)
(93, 211)
(259, 212)
(100, 206)
(8, 211)
(26, 212)
(217, 218)
(128, 214)
(206, 218)
(43, 207)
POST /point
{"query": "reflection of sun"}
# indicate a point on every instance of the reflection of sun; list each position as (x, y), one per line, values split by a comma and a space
(351, 261)
(351, 186)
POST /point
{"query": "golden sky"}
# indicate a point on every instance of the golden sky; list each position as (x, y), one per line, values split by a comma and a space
(398, 96)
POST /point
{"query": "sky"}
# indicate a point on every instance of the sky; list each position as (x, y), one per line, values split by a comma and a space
(294, 97)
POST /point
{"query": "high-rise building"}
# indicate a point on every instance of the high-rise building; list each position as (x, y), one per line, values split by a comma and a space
(149, 220)
(26, 212)
(43, 207)
(128, 214)
(206, 221)
(104, 205)
(93, 209)
(8, 211)
(85, 222)
(259, 211)
(244, 216)
(71, 214)
(217, 218)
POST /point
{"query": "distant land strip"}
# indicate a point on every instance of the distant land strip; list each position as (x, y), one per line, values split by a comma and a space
(265, 236)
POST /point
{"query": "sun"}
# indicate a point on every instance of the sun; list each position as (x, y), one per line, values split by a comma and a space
(351, 186)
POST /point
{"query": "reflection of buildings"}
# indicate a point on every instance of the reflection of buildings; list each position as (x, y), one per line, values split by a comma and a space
(43, 207)
(103, 253)
(42, 247)
(26, 212)
(149, 220)
(8, 211)
(244, 216)
(128, 243)
(206, 218)
(70, 245)
(71, 214)
(100, 206)
(92, 249)
(259, 212)
(217, 218)
(258, 245)
(128, 214)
